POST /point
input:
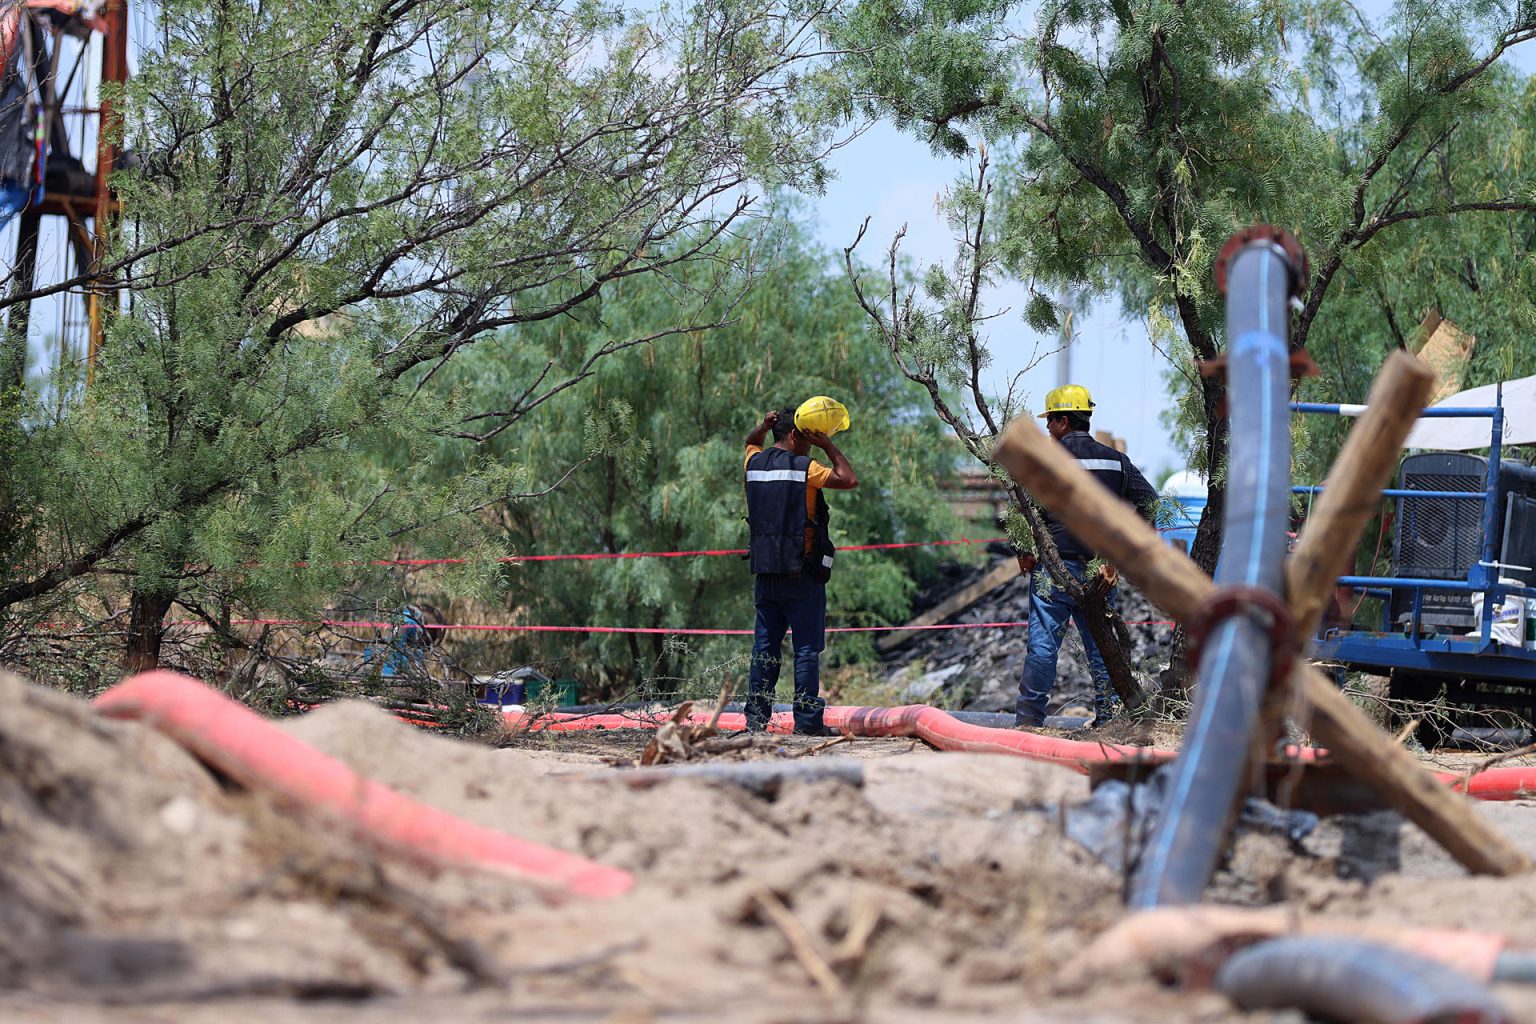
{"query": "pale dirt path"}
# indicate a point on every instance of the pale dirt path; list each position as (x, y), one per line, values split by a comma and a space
(110, 832)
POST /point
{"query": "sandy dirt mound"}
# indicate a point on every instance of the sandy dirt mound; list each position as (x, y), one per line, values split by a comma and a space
(128, 871)
(941, 888)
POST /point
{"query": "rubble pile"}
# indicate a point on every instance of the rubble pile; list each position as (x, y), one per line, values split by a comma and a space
(980, 669)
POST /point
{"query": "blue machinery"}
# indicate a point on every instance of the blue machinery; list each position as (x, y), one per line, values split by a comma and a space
(1428, 637)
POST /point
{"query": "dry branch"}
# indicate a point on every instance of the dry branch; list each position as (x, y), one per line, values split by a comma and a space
(805, 948)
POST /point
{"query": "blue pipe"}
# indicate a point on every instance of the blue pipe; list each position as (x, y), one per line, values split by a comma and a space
(1402, 492)
(1449, 586)
(1351, 979)
(1447, 413)
(1211, 772)
(1491, 507)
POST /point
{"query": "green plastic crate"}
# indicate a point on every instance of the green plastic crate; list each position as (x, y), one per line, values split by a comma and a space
(540, 691)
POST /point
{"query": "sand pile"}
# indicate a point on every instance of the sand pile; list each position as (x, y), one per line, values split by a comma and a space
(127, 871)
(968, 881)
(941, 888)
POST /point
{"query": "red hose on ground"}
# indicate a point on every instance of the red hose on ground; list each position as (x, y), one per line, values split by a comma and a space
(918, 721)
(253, 751)
(946, 732)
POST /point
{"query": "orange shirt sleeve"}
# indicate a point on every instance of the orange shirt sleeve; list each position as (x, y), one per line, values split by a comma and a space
(752, 450)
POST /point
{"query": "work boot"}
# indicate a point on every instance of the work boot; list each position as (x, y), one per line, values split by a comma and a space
(820, 729)
(1104, 716)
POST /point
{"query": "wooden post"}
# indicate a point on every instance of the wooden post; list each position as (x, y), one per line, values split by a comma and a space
(1363, 468)
(953, 605)
(1339, 515)
(1353, 487)
(1174, 583)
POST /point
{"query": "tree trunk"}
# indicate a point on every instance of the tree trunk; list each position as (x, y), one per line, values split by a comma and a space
(146, 628)
(1207, 547)
(1113, 641)
(1104, 624)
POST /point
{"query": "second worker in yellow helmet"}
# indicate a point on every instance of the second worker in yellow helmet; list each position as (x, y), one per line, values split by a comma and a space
(1068, 410)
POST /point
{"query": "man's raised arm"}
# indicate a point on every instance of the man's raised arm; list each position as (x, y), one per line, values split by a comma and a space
(843, 477)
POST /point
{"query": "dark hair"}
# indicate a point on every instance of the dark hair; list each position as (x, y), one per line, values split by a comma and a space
(784, 424)
(1077, 420)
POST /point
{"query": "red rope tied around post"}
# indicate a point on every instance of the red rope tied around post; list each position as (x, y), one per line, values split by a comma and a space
(1263, 606)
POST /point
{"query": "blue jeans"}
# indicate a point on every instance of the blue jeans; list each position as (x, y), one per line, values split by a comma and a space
(1048, 617)
(798, 604)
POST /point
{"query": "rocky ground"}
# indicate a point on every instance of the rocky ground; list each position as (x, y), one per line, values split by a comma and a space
(980, 669)
(137, 885)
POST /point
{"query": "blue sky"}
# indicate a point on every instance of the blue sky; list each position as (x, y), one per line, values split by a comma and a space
(893, 179)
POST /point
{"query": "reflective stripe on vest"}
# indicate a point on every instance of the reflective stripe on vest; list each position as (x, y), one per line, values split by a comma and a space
(763, 476)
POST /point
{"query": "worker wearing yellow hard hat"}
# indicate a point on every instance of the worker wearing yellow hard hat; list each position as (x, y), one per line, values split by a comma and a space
(1067, 398)
(790, 552)
(822, 415)
(1068, 414)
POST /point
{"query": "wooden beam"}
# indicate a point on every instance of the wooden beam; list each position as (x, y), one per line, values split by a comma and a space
(1172, 582)
(1446, 349)
(953, 605)
(1326, 548)
(1353, 493)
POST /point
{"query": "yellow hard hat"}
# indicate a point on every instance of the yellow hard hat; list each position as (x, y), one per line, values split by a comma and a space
(821, 415)
(1067, 398)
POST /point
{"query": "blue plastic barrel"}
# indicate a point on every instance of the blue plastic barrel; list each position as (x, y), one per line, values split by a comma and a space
(1188, 491)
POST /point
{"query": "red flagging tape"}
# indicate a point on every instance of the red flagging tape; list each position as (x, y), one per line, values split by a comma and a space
(253, 751)
(601, 556)
(664, 630)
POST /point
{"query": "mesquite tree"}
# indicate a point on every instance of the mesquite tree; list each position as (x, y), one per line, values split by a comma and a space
(332, 201)
(656, 442)
(936, 338)
(1142, 133)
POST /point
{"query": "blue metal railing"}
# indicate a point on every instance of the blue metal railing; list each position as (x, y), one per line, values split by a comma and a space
(1446, 413)
(1478, 576)
(1406, 492)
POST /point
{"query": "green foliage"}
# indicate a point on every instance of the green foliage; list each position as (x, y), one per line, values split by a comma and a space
(653, 448)
(1141, 133)
(1478, 271)
(335, 203)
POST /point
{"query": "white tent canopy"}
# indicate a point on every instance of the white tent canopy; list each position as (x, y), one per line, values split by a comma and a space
(1187, 484)
(1465, 433)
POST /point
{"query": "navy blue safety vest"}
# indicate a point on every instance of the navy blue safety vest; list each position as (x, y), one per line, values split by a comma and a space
(776, 515)
(1114, 471)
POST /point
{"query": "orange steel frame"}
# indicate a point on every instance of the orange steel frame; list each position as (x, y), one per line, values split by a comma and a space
(100, 204)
